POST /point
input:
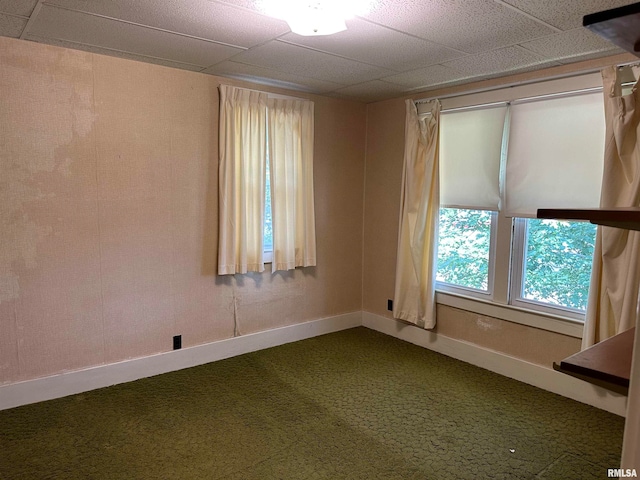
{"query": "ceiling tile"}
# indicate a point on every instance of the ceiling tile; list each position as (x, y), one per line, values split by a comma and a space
(401, 45)
(565, 14)
(310, 63)
(199, 18)
(60, 24)
(590, 56)
(18, 7)
(470, 25)
(248, 4)
(503, 60)
(268, 76)
(427, 77)
(571, 43)
(12, 26)
(370, 91)
(401, 51)
(115, 53)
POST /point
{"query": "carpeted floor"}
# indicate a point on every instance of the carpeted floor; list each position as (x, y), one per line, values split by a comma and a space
(350, 405)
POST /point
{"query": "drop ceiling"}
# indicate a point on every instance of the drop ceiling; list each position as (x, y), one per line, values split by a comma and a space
(399, 47)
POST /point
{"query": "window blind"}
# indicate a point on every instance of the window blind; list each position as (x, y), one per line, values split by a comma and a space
(555, 154)
(470, 149)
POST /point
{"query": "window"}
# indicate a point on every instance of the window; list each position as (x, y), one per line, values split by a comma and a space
(268, 223)
(554, 264)
(470, 197)
(499, 164)
(464, 250)
(257, 132)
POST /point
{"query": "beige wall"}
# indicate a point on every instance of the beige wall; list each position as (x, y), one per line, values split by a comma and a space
(108, 218)
(385, 147)
(108, 214)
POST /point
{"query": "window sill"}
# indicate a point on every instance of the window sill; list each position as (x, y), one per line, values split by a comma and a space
(522, 316)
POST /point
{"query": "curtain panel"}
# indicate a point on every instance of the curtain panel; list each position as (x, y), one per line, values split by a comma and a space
(242, 156)
(254, 128)
(615, 278)
(414, 298)
(291, 137)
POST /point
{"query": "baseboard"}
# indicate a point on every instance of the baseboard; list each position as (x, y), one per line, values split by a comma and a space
(70, 383)
(497, 362)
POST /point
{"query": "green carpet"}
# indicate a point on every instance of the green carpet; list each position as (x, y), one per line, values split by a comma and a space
(350, 405)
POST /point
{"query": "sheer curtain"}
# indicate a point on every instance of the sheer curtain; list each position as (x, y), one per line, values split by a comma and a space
(291, 168)
(615, 279)
(243, 146)
(414, 298)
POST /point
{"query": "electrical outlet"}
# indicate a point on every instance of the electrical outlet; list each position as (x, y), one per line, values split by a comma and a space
(390, 305)
(177, 342)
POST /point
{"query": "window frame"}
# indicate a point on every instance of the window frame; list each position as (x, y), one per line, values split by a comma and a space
(516, 287)
(499, 304)
(470, 291)
(511, 273)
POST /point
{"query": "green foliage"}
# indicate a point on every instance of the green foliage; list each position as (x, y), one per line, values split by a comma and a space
(558, 262)
(463, 249)
(558, 259)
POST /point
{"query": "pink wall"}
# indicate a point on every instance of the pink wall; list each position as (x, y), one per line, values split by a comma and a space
(108, 214)
(108, 218)
(385, 149)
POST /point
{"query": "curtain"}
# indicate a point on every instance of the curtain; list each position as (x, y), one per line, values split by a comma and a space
(242, 150)
(291, 168)
(615, 278)
(414, 299)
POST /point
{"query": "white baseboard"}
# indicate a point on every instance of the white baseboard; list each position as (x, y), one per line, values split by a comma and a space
(70, 383)
(497, 362)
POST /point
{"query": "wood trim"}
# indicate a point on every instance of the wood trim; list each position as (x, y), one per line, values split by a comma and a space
(607, 363)
(627, 218)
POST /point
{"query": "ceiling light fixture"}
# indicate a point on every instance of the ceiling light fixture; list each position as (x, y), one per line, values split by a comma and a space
(315, 17)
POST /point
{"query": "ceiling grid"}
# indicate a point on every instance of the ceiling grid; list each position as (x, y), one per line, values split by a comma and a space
(399, 46)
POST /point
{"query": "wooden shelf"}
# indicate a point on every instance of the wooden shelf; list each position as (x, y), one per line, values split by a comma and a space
(606, 364)
(620, 26)
(628, 218)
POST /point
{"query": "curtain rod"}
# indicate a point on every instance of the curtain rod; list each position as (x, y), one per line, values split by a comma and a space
(269, 94)
(635, 63)
(483, 106)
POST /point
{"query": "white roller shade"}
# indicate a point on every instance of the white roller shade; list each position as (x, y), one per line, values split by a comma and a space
(555, 154)
(470, 146)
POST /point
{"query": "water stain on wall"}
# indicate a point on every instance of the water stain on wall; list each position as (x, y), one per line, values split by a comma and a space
(34, 134)
(486, 324)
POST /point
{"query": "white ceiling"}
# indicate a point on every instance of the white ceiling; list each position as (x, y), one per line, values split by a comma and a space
(400, 46)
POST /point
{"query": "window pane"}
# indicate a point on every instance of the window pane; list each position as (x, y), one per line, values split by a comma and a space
(463, 247)
(558, 262)
(268, 228)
